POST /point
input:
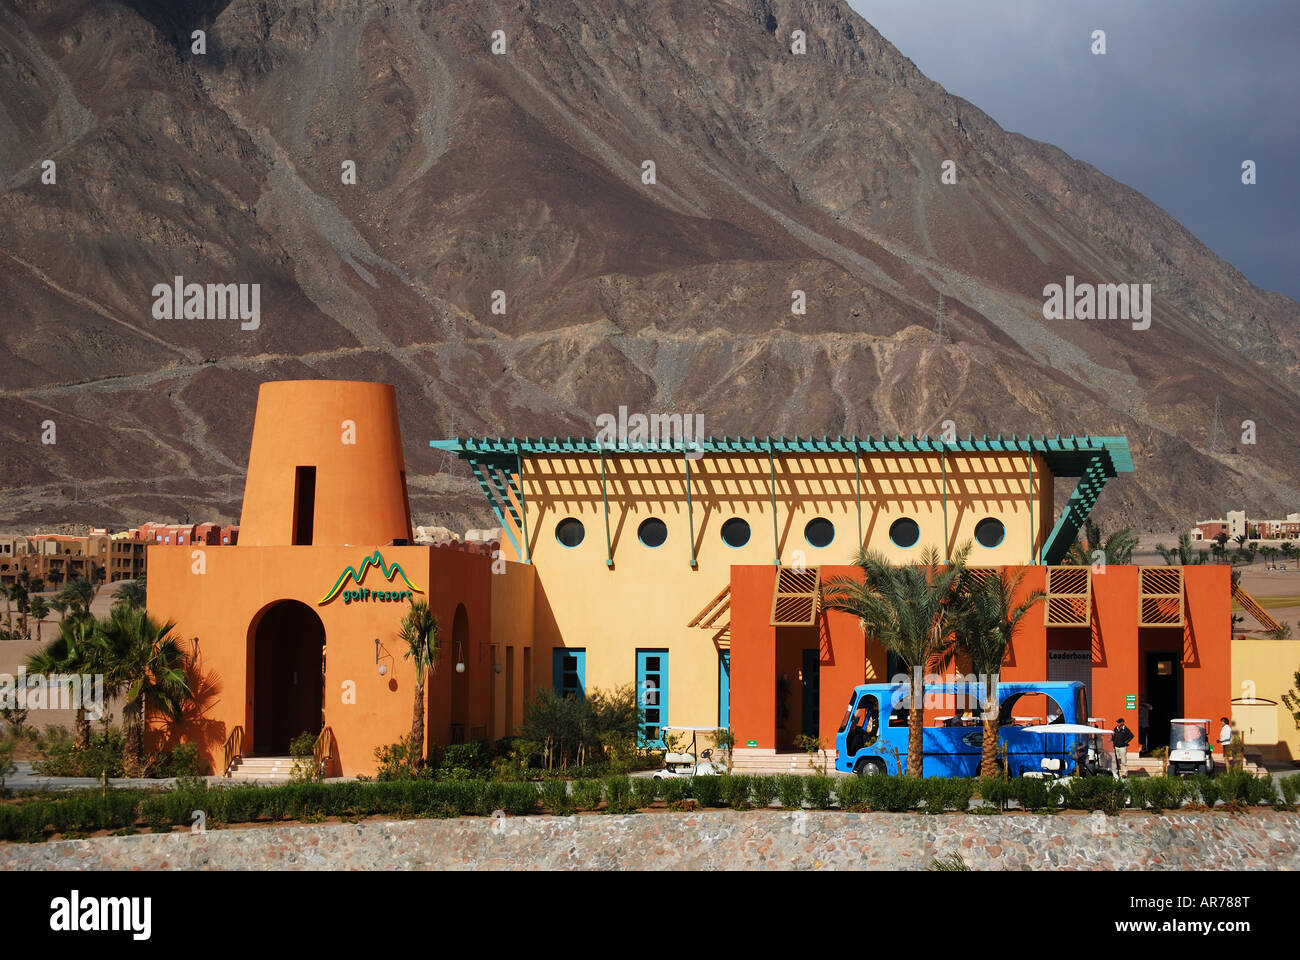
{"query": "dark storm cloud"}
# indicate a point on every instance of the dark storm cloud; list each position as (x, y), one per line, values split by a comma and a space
(1187, 90)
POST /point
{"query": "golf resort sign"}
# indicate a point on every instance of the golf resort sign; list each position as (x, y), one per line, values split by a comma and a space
(360, 594)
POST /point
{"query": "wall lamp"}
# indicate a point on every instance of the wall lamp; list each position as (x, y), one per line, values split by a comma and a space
(383, 667)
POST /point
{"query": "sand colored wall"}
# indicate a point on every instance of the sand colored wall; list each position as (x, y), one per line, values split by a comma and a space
(360, 496)
(1265, 669)
(513, 602)
(645, 598)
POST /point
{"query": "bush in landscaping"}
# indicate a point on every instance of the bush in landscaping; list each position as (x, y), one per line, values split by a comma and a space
(1205, 789)
(763, 790)
(394, 761)
(817, 789)
(707, 790)
(58, 757)
(851, 793)
(465, 760)
(1096, 793)
(674, 790)
(789, 791)
(1034, 793)
(1158, 793)
(884, 792)
(735, 791)
(586, 794)
(1239, 788)
(1290, 789)
(644, 791)
(618, 795)
(519, 799)
(183, 760)
(995, 791)
(555, 797)
(603, 725)
(948, 793)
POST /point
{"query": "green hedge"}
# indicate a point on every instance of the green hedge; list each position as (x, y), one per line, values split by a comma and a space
(79, 813)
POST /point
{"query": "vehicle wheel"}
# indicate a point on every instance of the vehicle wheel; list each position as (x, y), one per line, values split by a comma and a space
(869, 768)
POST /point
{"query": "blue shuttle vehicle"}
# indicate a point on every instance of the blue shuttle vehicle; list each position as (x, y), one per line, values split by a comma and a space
(873, 737)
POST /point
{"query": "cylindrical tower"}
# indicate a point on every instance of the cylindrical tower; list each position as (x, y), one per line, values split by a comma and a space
(325, 466)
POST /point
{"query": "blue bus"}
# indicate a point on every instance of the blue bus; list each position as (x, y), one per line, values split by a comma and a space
(876, 727)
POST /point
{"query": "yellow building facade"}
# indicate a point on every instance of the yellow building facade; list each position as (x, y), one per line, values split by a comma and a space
(629, 542)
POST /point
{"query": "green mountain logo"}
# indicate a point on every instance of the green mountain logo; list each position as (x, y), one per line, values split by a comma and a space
(356, 575)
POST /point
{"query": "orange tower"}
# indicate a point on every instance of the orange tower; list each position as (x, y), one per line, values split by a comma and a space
(325, 466)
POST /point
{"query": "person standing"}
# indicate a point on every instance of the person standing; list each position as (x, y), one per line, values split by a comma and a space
(1225, 739)
(1121, 737)
(1144, 727)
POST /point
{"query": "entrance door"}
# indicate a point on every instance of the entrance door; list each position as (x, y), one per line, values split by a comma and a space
(811, 685)
(652, 695)
(1164, 692)
(288, 662)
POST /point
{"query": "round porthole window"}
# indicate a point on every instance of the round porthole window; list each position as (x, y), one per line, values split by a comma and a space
(735, 532)
(819, 532)
(652, 532)
(989, 532)
(904, 532)
(570, 531)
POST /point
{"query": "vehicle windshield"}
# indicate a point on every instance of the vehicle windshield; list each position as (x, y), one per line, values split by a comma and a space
(1188, 736)
(848, 715)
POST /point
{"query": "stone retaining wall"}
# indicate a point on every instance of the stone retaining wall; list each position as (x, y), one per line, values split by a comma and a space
(710, 840)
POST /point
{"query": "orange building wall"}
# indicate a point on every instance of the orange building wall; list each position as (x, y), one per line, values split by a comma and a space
(220, 607)
(758, 650)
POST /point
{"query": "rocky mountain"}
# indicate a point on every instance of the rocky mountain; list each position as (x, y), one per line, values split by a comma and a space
(524, 172)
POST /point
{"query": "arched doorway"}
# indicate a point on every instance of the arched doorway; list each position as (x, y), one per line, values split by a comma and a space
(288, 641)
(460, 679)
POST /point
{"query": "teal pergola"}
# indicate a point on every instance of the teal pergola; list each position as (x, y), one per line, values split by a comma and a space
(497, 464)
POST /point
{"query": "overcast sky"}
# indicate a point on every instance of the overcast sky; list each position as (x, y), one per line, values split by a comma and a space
(1187, 90)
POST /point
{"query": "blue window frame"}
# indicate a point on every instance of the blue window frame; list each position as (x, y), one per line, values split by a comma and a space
(652, 695)
(724, 689)
(570, 672)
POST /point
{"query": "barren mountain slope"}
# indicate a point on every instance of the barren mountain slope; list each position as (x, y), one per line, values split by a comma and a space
(522, 173)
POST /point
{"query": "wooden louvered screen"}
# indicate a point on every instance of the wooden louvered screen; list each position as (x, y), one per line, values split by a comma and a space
(1069, 597)
(1251, 606)
(797, 597)
(707, 618)
(1160, 595)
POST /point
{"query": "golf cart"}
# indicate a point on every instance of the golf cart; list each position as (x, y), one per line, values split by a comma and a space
(1084, 745)
(692, 763)
(1189, 746)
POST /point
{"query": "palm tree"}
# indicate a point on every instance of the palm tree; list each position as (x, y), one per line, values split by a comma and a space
(419, 631)
(77, 593)
(987, 623)
(55, 577)
(73, 651)
(142, 660)
(911, 610)
(18, 592)
(40, 609)
(98, 574)
(1184, 555)
(1117, 548)
(9, 612)
(131, 592)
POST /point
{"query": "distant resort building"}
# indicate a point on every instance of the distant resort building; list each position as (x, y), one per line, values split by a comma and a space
(1237, 525)
(695, 574)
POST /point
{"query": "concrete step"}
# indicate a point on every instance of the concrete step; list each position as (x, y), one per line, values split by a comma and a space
(261, 769)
